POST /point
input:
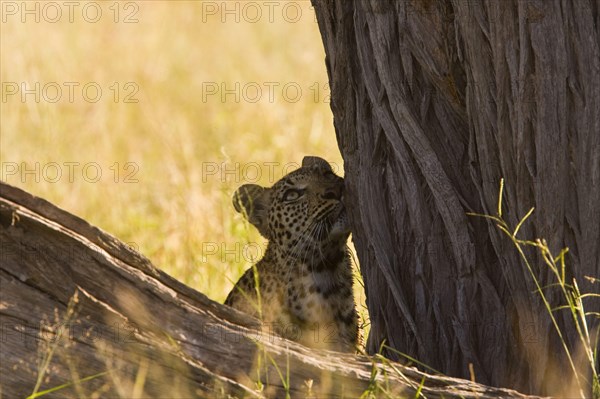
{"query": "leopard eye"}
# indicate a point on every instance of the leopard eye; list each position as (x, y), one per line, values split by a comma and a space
(292, 194)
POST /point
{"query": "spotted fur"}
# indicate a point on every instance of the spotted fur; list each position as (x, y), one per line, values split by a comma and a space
(304, 277)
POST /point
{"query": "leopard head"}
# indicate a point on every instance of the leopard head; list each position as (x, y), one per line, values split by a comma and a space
(301, 213)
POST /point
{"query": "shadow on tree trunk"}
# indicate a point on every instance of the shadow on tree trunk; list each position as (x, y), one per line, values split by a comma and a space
(434, 102)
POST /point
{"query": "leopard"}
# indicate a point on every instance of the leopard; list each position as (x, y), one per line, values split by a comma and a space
(302, 287)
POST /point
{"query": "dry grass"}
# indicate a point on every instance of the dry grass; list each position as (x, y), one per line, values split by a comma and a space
(169, 162)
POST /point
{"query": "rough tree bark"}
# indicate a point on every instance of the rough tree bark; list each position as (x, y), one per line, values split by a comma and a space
(81, 311)
(434, 102)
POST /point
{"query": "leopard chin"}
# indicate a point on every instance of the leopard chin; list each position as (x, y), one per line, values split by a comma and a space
(340, 227)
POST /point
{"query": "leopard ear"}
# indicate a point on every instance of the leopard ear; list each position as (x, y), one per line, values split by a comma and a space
(251, 200)
(315, 162)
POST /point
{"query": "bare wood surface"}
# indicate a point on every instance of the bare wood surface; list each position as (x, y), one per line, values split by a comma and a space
(434, 102)
(78, 303)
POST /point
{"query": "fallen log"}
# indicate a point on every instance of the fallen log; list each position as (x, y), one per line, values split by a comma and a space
(82, 314)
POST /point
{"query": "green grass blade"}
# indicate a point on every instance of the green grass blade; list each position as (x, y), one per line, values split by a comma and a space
(66, 385)
(500, 194)
(421, 385)
(412, 359)
(494, 218)
(589, 294)
(522, 221)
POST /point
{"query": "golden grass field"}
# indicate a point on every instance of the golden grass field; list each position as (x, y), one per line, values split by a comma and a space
(144, 119)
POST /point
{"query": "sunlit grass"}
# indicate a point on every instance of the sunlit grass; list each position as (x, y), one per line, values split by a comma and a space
(585, 378)
(191, 108)
(169, 162)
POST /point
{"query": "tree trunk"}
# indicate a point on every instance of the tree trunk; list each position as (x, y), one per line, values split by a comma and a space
(434, 102)
(82, 313)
